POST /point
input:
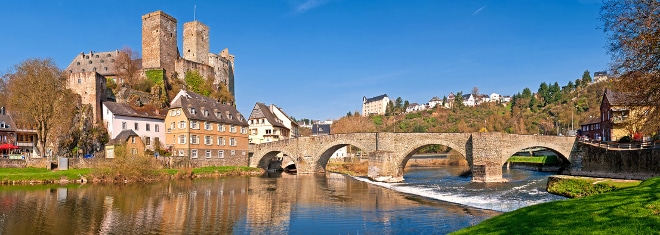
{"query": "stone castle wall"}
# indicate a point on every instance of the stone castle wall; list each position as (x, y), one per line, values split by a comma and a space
(91, 88)
(159, 41)
(196, 42)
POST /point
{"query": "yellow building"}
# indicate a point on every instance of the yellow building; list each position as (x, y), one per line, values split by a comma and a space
(205, 131)
(620, 116)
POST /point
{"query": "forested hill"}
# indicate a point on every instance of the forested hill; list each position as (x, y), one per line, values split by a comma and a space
(545, 112)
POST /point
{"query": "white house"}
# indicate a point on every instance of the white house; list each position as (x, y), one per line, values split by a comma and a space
(148, 123)
(270, 123)
(435, 101)
(469, 100)
(375, 105)
(494, 97)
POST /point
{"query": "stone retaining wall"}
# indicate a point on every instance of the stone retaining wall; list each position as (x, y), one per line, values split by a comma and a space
(623, 164)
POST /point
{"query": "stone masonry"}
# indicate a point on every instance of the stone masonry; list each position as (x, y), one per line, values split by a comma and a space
(486, 153)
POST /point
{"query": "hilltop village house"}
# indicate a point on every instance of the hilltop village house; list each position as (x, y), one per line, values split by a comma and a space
(88, 72)
(375, 105)
(270, 123)
(618, 113)
(206, 131)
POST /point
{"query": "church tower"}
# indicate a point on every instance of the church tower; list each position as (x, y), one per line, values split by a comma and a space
(159, 46)
(196, 42)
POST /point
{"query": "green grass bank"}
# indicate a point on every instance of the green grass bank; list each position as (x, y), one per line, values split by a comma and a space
(41, 175)
(576, 187)
(632, 210)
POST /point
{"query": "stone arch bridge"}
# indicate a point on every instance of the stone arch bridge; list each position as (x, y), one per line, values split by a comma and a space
(485, 153)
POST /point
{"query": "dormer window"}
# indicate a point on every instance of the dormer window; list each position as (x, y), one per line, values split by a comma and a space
(231, 117)
(206, 113)
(192, 111)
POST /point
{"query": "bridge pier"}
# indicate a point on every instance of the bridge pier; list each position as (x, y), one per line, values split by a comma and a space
(382, 168)
(487, 173)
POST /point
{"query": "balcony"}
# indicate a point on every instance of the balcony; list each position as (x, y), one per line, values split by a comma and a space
(619, 119)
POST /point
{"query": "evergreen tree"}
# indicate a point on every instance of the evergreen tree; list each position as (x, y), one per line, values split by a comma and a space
(586, 78)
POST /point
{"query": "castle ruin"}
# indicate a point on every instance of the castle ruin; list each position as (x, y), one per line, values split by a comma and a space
(87, 73)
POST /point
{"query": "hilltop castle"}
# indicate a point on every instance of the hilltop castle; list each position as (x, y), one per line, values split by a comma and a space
(87, 73)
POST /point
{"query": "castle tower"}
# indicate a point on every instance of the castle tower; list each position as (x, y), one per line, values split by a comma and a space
(159, 47)
(196, 42)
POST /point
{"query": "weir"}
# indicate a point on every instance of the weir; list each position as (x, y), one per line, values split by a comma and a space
(388, 153)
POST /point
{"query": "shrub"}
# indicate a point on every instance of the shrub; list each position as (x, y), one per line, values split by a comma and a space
(625, 139)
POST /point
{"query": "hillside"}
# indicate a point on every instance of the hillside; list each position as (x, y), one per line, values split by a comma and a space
(532, 113)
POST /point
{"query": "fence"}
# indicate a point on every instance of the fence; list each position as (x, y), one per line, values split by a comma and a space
(623, 146)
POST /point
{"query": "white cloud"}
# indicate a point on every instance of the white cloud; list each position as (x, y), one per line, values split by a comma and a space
(308, 5)
(479, 10)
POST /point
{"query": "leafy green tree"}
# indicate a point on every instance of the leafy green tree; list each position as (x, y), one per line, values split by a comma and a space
(458, 100)
(527, 93)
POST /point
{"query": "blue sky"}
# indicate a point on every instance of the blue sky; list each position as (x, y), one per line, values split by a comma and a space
(317, 58)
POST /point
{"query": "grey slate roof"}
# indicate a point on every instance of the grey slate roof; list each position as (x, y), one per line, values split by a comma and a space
(122, 137)
(618, 98)
(262, 111)
(215, 111)
(120, 109)
(377, 98)
(8, 121)
(320, 129)
(100, 62)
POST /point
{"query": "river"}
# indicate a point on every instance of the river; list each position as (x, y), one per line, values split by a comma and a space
(430, 201)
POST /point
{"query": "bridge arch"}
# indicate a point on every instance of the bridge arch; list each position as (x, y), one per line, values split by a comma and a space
(265, 158)
(561, 152)
(328, 149)
(410, 151)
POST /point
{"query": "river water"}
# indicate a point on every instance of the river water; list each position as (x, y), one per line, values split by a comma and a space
(431, 201)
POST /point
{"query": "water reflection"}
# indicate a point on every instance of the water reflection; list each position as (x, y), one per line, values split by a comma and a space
(276, 204)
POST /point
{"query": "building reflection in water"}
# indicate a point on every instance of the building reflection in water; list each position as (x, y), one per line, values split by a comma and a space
(256, 205)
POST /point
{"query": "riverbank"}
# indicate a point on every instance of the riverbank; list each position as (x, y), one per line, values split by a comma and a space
(632, 210)
(31, 175)
(577, 187)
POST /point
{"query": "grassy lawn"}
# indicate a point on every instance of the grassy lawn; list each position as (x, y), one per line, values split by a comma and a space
(18, 174)
(633, 210)
(27, 174)
(575, 187)
(534, 159)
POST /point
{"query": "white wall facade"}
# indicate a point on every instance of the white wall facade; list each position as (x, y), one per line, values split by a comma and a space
(115, 124)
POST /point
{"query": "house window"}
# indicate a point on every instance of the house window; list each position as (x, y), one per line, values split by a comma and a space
(192, 111)
(136, 126)
(134, 151)
(147, 140)
(182, 139)
(207, 126)
(79, 80)
(230, 116)
(254, 131)
(181, 153)
(269, 131)
(157, 141)
(232, 129)
(133, 139)
(123, 125)
(147, 127)
(208, 140)
(156, 128)
(182, 124)
(232, 142)
(221, 141)
(221, 154)
(205, 113)
(233, 152)
(193, 153)
(208, 153)
(194, 125)
(194, 139)
(221, 128)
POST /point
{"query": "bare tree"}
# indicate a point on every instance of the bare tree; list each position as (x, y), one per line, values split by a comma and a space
(633, 28)
(34, 92)
(127, 67)
(475, 92)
